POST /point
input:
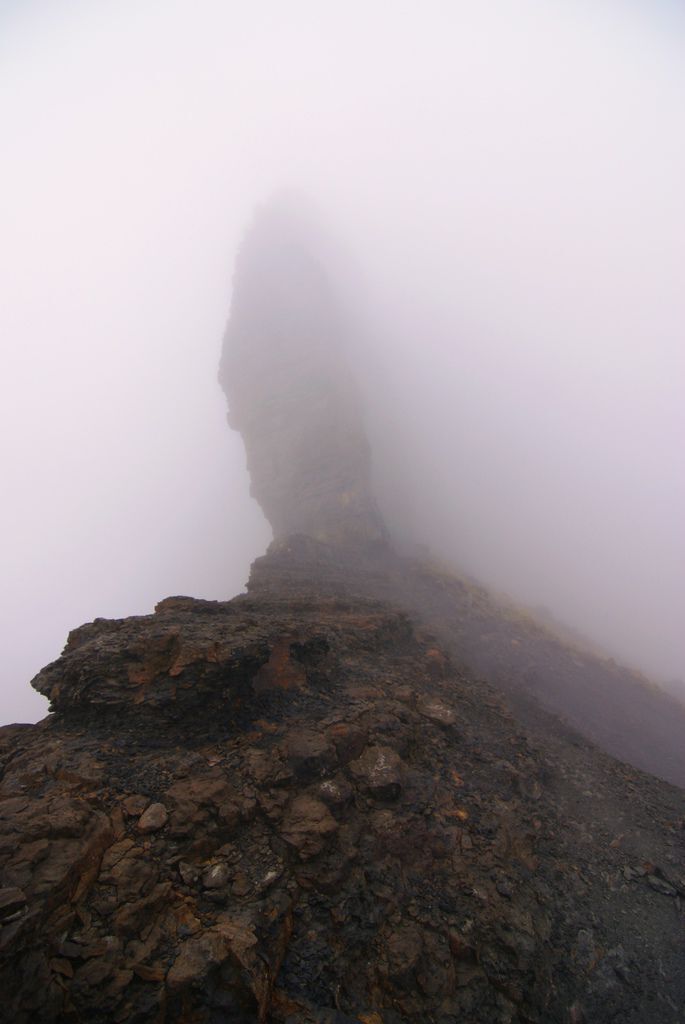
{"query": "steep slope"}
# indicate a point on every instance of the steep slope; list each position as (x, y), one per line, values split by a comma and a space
(616, 708)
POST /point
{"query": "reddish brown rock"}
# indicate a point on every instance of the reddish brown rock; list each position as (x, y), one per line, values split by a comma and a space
(349, 741)
(436, 710)
(379, 770)
(216, 876)
(281, 671)
(310, 753)
(307, 825)
(135, 805)
(154, 818)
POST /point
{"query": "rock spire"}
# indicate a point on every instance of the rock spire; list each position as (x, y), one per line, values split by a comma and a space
(289, 388)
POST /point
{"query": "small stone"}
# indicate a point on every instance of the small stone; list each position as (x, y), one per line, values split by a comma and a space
(661, 885)
(67, 948)
(135, 805)
(436, 662)
(216, 876)
(119, 982)
(155, 972)
(335, 792)
(402, 951)
(241, 885)
(188, 872)
(60, 966)
(310, 754)
(201, 953)
(349, 741)
(436, 711)
(504, 888)
(379, 769)
(11, 900)
(585, 951)
(460, 948)
(307, 825)
(154, 818)
(93, 973)
(268, 880)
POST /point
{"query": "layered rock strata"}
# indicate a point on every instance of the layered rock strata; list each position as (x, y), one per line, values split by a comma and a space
(292, 807)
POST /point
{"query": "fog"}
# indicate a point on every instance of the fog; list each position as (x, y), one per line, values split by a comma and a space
(505, 178)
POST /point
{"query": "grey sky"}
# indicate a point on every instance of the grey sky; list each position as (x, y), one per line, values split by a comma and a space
(508, 178)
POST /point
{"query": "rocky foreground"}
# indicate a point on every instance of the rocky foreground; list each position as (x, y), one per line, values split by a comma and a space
(291, 807)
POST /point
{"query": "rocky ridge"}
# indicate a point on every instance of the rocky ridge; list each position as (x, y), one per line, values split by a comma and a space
(306, 805)
(615, 707)
(294, 807)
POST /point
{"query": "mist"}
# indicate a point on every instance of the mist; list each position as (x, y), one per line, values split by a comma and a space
(505, 181)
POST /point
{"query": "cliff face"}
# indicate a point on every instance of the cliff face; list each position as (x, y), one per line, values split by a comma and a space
(299, 806)
(290, 391)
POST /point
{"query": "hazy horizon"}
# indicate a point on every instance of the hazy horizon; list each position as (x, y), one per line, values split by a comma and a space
(506, 185)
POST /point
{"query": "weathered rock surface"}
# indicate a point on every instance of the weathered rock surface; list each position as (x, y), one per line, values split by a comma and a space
(613, 706)
(380, 842)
